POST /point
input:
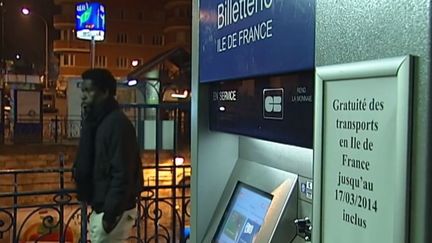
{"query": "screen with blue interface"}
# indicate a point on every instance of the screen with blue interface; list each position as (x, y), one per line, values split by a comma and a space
(244, 215)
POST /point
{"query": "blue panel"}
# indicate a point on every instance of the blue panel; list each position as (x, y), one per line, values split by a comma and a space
(27, 129)
(89, 19)
(28, 133)
(274, 108)
(246, 38)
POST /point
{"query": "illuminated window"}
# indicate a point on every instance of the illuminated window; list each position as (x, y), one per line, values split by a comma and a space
(67, 34)
(141, 39)
(63, 34)
(122, 38)
(67, 60)
(73, 35)
(101, 61)
(158, 40)
(122, 62)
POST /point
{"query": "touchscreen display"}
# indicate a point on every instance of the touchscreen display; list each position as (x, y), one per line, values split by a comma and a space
(244, 215)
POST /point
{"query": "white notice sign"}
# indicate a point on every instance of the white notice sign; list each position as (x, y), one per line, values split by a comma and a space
(361, 152)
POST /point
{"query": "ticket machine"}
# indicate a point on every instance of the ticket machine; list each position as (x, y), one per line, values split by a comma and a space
(252, 120)
(258, 39)
(258, 205)
(236, 173)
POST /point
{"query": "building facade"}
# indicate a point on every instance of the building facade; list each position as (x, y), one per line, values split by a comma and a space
(136, 31)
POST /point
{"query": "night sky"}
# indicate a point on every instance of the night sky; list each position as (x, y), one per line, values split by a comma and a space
(25, 35)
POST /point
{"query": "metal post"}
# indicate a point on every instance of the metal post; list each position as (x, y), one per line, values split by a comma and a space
(92, 52)
(62, 202)
(56, 129)
(27, 12)
(15, 209)
(138, 221)
(83, 222)
(140, 129)
(183, 207)
(46, 54)
(3, 72)
(157, 169)
(3, 66)
(174, 176)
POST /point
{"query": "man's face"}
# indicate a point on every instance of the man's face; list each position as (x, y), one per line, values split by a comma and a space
(90, 95)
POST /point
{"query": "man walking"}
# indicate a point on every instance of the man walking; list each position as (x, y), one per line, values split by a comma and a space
(107, 169)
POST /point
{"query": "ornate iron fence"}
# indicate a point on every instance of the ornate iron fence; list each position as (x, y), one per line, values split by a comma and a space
(40, 204)
(53, 214)
(51, 130)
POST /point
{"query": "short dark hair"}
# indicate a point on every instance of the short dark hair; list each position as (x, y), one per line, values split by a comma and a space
(102, 79)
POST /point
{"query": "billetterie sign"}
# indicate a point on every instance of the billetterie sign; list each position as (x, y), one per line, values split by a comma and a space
(231, 12)
(241, 38)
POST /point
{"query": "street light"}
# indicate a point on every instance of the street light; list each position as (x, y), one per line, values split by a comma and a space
(131, 83)
(135, 63)
(26, 11)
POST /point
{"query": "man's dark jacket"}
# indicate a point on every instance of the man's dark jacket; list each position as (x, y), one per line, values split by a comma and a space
(117, 177)
(117, 174)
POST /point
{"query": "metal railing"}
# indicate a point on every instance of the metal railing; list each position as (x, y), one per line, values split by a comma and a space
(43, 200)
(55, 215)
(52, 130)
(61, 130)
